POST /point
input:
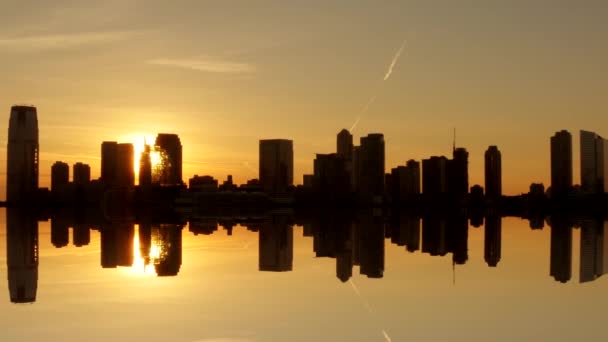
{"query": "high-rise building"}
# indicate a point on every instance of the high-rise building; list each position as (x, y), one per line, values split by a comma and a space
(331, 176)
(493, 172)
(276, 165)
(458, 173)
(561, 163)
(22, 150)
(594, 155)
(371, 167)
(145, 167)
(345, 144)
(171, 145)
(405, 181)
(125, 173)
(60, 175)
(22, 255)
(82, 174)
(434, 180)
(108, 162)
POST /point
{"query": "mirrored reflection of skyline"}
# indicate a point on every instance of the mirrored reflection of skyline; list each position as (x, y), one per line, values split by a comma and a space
(354, 241)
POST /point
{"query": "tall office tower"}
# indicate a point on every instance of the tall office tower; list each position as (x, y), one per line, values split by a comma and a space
(345, 144)
(60, 175)
(371, 167)
(276, 165)
(493, 240)
(434, 176)
(331, 177)
(561, 250)
(172, 147)
(22, 255)
(458, 173)
(108, 162)
(125, 173)
(145, 167)
(22, 159)
(355, 169)
(561, 163)
(405, 181)
(276, 245)
(594, 155)
(493, 172)
(82, 174)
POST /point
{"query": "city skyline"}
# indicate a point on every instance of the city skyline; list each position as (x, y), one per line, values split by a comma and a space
(120, 70)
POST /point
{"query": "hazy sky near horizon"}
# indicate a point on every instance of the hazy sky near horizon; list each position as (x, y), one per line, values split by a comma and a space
(224, 74)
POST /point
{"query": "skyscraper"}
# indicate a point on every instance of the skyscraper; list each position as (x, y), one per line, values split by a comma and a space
(458, 173)
(434, 180)
(561, 163)
(82, 174)
(145, 167)
(108, 162)
(493, 172)
(276, 165)
(171, 145)
(125, 173)
(405, 181)
(594, 155)
(22, 150)
(331, 177)
(60, 175)
(345, 144)
(371, 167)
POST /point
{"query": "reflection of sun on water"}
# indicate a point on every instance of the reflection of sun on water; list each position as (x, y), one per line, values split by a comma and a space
(139, 266)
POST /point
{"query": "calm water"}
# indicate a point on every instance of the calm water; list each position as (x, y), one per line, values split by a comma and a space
(278, 279)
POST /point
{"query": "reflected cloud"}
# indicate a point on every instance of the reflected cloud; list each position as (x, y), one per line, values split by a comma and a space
(205, 65)
(62, 41)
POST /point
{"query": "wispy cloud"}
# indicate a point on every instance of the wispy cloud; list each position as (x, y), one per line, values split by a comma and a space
(62, 41)
(394, 61)
(205, 64)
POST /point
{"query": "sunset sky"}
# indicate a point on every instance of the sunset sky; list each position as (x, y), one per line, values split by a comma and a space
(224, 74)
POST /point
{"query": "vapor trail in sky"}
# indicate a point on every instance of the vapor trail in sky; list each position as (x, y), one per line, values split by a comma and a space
(394, 61)
(388, 74)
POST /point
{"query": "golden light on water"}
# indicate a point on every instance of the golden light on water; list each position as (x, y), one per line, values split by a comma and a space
(140, 266)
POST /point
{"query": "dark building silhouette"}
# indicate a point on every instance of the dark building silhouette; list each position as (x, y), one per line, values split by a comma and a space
(22, 254)
(82, 174)
(276, 245)
(355, 169)
(60, 175)
(117, 244)
(171, 146)
(371, 168)
(492, 240)
(458, 238)
(22, 155)
(276, 165)
(109, 162)
(145, 167)
(331, 177)
(203, 184)
(493, 172)
(561, 164)
(593, 159)
(405, 181)
(434, 176)
(561, 249)
(344, 144)
(593, 248)
(81, 235)
(434, 236)
(125, 174)
(458, 173)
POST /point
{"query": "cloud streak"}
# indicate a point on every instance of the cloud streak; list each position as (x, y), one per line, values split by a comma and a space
(62, 41)
(389, 72)
(205, 65)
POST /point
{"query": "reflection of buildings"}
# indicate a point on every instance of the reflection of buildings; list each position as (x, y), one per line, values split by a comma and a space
(405, 231)
(441, 236)
(166, 249)
(561, 250)
(333, 238)
(370, 245)
(276, 245)
(145, 167)
(561, 163)
(22, 255)
(22, 154)
(493, 172)
(117, 244)
(593, 250)
(594, 152)
(60, 232)
(492, 240)
(276, 165)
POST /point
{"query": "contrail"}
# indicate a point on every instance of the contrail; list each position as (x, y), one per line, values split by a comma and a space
(394, 61)
(363, 111)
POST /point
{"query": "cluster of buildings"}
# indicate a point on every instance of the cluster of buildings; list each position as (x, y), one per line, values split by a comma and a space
(593, 168)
